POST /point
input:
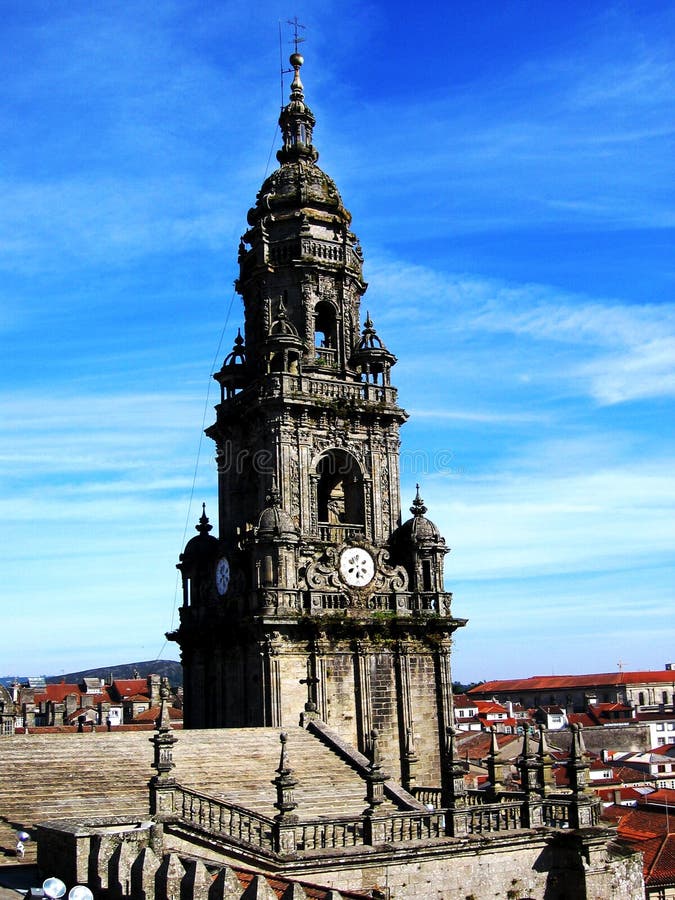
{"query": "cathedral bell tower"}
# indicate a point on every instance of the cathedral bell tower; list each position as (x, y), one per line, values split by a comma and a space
(314, 597)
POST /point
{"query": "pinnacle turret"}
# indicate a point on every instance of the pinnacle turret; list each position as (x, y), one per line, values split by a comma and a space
(297, 121)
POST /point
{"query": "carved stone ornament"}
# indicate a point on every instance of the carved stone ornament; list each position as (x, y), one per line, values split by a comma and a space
(328, 572)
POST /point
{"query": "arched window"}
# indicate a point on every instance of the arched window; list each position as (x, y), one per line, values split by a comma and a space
(340, 490)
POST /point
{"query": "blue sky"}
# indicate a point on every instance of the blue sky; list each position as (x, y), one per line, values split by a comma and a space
(510, 170)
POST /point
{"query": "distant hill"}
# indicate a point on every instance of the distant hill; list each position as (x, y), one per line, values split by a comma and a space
(166, 667)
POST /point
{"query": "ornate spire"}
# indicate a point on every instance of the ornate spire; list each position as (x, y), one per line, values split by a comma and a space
(418, 508)
(297, 121)
(273, 497)
(204, 526)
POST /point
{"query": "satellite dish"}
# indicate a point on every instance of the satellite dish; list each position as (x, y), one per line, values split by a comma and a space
(80, 892)
(54, 888)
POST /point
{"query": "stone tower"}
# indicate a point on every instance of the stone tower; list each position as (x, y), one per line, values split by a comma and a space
(314, 597)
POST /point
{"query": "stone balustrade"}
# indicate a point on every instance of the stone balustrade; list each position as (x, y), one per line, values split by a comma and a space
(276, 837)
(225, 819)
(283, 385)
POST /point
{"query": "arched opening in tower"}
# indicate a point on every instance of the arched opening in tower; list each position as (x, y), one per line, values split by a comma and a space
(325, 329)
(340, 490)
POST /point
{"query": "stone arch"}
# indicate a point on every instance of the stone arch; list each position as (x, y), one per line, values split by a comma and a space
(325, 326)
(339, 489)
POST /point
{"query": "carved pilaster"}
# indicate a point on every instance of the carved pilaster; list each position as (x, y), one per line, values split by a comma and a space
(364, 715)
(405, 714)
(445, 690)
(271, 679)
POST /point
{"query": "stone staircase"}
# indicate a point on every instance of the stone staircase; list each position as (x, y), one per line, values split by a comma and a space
(45, 777)
(239, 765)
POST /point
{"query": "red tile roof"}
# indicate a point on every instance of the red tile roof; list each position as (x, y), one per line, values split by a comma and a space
(661, 795)
(127, 687)
(57, 693)
(581, 719)
(651, 831)
(488, 706)
(561, 682)
(150, 715)
(461, 701)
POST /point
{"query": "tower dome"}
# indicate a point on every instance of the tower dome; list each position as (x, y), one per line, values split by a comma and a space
(203, 547)
(420, 531)
(274, 522)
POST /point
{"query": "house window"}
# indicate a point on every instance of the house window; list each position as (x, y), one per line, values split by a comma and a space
(641, 698)
(659, 727)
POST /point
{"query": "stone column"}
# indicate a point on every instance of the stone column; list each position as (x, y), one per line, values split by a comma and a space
(585, 806)
(532, 810)
(373, 830)
(405, 716)
(286, 819)
(163, 785)
(364, 716)
(453, 789)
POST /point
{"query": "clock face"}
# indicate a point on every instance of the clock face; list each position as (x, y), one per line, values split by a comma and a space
(222, 576)
(357, 566)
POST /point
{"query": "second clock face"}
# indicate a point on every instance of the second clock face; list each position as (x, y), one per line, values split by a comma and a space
(222, 576)
(357, 566)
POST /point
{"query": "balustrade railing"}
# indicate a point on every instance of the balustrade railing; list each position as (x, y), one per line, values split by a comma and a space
(225, 819)
(285, 384)
(557, 813)
(243, 826)
(413, 826)
(430, 796)
(332, 390)
(494, 817)
(319, 834)
(336, 534)
(325, 356)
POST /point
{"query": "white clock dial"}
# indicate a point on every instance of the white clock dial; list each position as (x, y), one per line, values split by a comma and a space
(222, 576)
(357, 566)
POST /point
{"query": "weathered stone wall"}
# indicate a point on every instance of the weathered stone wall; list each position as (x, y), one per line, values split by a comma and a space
(632, 738)
(339, 689)
(561, 865)
(425, 704)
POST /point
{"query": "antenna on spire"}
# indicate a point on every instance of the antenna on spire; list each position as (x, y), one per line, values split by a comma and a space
(296, 40)
(296, 37)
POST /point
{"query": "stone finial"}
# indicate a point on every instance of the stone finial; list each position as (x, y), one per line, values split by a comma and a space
(285, 784)
(545, 763)
(578, 770)
(375, 776)
(495, 775)
(203, 526)
(418, 508)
